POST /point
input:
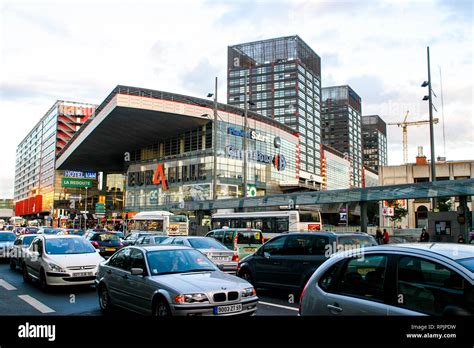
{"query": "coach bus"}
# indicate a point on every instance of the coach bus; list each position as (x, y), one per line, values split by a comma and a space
(161, 221)
(271, 223)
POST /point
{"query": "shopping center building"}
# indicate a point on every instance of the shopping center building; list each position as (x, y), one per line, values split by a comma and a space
(162, 143)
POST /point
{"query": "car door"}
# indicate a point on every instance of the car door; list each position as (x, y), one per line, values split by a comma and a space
(360, 289)
(268, 262)
(428, 287)
(138, 291)
(228, 239)
(302, 255)
(118, 267)
(34, 257)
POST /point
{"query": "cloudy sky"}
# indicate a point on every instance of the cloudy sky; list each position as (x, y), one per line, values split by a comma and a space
(81, 50)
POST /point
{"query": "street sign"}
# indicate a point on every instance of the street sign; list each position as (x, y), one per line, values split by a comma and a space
(73, 182)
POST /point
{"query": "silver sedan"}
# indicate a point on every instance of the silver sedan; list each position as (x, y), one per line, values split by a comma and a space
(171, 280)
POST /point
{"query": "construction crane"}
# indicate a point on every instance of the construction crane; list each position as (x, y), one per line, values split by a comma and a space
(404, 126)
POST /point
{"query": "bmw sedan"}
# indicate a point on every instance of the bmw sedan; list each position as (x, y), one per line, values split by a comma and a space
(405, 279)
(6, 243)
(171, 281)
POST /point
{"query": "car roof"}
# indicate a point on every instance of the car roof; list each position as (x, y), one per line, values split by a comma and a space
(453, 251)
(149, 248)
(192, 237)
(9, 232)
(240, 229)
(326, 233)
(55, 236)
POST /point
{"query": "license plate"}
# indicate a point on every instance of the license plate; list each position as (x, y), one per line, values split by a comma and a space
(82, 274)
(228, 309)
(109, 249)
(221, 258)
(249, 250)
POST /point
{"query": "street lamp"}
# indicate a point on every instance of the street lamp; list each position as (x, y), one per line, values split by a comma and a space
(430, 101)
(214, 143)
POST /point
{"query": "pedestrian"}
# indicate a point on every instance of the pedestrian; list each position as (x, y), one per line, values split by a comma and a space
(424, 237)
(386, 238)
(379, 236)
(461, 239)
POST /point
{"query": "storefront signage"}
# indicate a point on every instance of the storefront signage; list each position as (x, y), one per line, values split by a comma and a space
(252, 134)
(82, 175)
(279, 162)
(148, 177)
(77, 183)
(234, 152)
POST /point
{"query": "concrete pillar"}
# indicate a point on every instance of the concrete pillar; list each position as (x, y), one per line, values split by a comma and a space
(464, 213)
(363, 216)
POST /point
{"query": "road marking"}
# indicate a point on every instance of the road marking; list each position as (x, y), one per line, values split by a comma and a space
(279, 306)
(6, 285)
(36, 304)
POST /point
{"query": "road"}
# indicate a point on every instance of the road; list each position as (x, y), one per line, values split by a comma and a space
(20, 298)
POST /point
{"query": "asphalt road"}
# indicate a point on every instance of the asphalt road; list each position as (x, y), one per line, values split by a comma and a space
(20, 298)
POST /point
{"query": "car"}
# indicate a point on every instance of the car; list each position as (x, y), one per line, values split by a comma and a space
(71, 231)
(244, 241)
(132, 237)
(106, 242)
(48, 230)
(225, 259)
(18, 250)
(18, 230)
(60, 261)
(6, 242)
(8, 228)
(169, 280)
(150, 239)
(287, 261)
(120, 234)
(404, 279)
(30, 230)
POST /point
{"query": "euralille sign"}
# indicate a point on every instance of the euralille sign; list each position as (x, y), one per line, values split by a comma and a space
(77, 183)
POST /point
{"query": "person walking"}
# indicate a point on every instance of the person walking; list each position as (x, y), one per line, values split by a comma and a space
(379, 236)
(424, 237)
(386, 238)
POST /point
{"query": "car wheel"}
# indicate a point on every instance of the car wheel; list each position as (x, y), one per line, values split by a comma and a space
(161, 308)
(26, 275)
(12, 264)
(43, 281)
(245, 274)
(104, 299)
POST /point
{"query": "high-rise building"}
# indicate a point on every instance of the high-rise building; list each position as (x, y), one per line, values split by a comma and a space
(374, 142)
(36, 155)
(342, 126)
(284, 83)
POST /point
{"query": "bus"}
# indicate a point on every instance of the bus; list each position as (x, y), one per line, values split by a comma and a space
(271, 223)
(17, 221)
(162, 222)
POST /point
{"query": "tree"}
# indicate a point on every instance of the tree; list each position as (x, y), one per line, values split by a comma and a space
(398, 212)
(445, 204)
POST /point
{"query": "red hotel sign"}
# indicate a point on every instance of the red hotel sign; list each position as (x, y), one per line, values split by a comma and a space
(27, 206)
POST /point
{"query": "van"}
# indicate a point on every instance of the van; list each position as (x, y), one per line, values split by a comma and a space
(244, 241)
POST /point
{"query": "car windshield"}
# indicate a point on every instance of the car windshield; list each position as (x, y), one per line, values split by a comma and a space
(361, 241)
(105, 237)
(59, 246)
(254, 237)
(75, 232)
(468, 262)
(31, 229)
(27, 240)
(178, 261)
(49, 231)
(206, 243)
(7, 237)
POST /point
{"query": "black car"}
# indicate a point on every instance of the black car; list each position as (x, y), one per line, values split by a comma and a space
(288, 261)
(132, 238)
(105, 241)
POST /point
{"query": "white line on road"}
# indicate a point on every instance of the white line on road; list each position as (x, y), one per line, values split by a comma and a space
(36, 304)
(279, 306)
(6, 285)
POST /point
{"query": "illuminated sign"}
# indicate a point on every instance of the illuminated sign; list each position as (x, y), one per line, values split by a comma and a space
(148, 177)
(80, 175)
(252, 134)
(234, 152)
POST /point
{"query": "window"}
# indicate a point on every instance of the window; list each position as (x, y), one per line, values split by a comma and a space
(275, 247)
(364, 277)
(281, 225)
(228, 235)
(298, 245)
(326, 282)
(428, 287)
(121, 260)
(137, 260)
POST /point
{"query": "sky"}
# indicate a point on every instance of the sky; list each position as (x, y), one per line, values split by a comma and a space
(80, 50)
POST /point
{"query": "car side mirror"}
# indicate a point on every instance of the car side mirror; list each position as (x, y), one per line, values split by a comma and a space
(266, 255)
(136, 271)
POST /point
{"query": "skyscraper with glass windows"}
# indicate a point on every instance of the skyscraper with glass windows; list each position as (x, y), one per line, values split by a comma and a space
(284, 83)
(374, 142)
(342, 126)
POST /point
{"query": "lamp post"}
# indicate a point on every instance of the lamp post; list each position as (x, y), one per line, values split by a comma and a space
(430, 101)
(214, 143)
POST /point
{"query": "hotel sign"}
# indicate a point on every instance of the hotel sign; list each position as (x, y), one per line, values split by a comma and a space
(81, 175)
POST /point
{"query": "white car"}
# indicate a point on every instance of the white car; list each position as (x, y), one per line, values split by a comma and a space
(61, 260)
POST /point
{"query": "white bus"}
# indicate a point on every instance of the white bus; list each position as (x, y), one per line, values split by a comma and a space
(161, 221)
(271, 223)
(17, 221)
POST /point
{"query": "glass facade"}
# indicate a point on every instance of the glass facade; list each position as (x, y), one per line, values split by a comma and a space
(342, 126)
(188, 170)
(374, 135)
(284, 83)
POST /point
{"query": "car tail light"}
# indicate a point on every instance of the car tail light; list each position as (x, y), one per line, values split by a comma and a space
(94, 243)
(235, 257)
(235, 242)
(301, 297)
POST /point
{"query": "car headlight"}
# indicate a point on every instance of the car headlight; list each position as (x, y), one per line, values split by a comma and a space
(56, 268)
(191, 298)
(249, 292)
